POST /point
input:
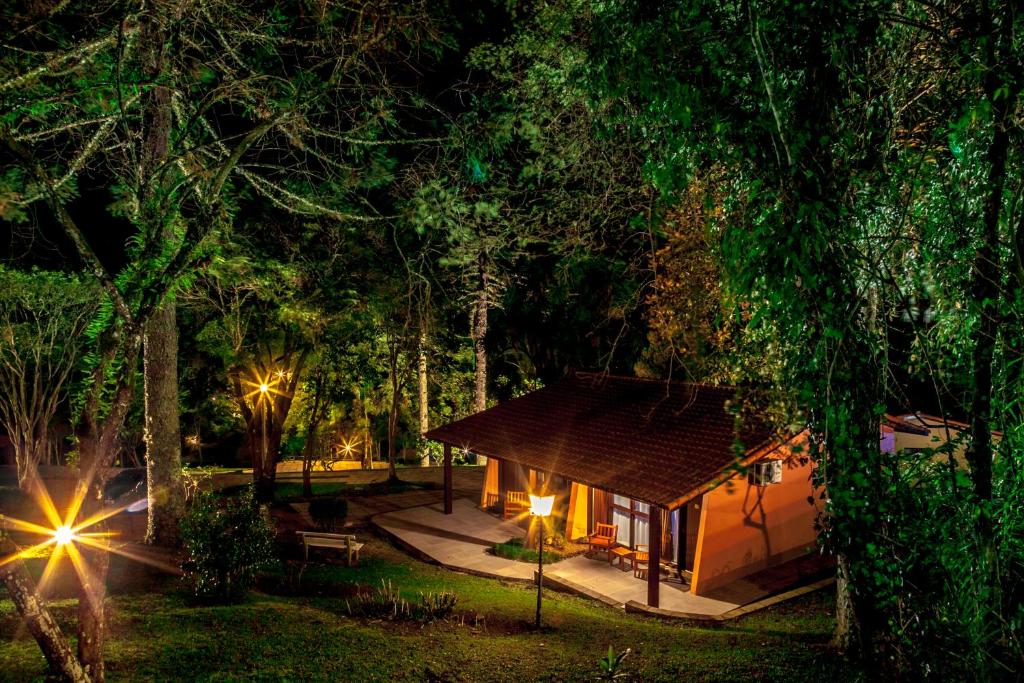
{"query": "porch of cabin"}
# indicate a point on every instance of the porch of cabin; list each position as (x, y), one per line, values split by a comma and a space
(460, 541)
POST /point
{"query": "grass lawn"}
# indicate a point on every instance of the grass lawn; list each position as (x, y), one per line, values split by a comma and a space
(277, 635)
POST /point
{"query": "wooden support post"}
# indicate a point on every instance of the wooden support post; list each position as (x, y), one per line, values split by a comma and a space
(448, 484)
(654, 567)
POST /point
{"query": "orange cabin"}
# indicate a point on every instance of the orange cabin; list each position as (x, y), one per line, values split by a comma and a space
(657, 460)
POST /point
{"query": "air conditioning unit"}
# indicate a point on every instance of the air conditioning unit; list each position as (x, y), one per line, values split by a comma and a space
(765, 472)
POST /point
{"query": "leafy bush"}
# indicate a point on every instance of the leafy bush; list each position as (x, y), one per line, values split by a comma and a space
(225, 545)
(383, 603)
(329, 513)
(387, 603)
(438, 605)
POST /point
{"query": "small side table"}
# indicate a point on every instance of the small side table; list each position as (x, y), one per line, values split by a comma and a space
(621, 553)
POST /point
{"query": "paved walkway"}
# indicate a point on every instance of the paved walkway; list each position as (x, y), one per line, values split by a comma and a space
(460, 541)
(457, 541)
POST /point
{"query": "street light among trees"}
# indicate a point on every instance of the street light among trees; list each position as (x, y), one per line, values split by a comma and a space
(540, 507)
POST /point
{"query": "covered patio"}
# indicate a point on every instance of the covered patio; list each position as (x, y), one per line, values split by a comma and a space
(460, 541)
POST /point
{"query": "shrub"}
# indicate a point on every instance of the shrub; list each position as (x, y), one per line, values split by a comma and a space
(438, 605)
(329, 513)
(225, 545)
(514, 549)
(383, 603)
(387, 603)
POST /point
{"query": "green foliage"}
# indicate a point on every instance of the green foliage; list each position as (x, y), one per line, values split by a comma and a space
(611, 664)
(437, 606)
(514, 549)
(386, 602)
(329, 513)
(44, 316)
(857, 243)
(226, 544)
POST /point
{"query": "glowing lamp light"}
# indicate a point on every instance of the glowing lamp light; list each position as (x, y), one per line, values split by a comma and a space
(264, 388)
(349, 446)
(63, 534)
(540, 506)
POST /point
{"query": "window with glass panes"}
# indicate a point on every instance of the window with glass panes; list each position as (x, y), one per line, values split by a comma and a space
(633, 520)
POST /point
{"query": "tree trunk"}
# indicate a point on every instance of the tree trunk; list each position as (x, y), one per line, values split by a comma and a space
(985, 290)
(92, 594)
(393, 413)
(264, 419)
(39, 621)
(479, 318)
(25, 462)
(309, 448)
(421, 376)
(846, 637)
(166, 496)
(307, 463)
(264, 444)
(160, 335)
(94, 457)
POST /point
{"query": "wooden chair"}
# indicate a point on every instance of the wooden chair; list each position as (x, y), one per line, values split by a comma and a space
(603, 538)
(516, 503)
(491, 500)
(641, 560)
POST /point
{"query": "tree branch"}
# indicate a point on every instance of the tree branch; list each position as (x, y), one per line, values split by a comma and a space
(71, 228)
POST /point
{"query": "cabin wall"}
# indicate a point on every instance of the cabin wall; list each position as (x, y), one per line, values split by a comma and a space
(577, 512)
(938, 435)
(935, 438)
(490, 493)
(746, 528)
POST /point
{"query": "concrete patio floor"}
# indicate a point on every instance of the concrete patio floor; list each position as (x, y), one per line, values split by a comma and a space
(457, 541)
(460, 541)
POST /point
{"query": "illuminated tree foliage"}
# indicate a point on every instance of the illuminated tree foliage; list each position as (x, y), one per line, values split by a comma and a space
(871, 152)
(176, 109)
(817, 201)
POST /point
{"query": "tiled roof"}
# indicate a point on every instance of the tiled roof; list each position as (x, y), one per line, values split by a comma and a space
(903, 424)
(646, 439)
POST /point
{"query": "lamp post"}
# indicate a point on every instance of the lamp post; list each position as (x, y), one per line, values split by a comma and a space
(540, 507)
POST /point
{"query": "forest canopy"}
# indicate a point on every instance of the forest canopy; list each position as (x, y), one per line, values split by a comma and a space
(238, 233)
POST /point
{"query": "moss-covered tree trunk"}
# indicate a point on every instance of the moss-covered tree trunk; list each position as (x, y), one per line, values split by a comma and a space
(160, 334)
(165, 494)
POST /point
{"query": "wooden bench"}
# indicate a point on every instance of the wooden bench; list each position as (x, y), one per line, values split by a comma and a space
(516, 503)
(319, 539)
